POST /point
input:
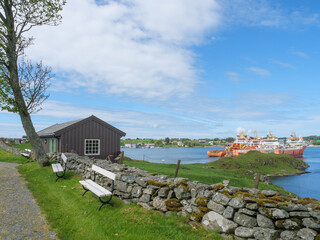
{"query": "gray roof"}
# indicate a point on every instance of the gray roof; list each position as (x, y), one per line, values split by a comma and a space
(49, 131)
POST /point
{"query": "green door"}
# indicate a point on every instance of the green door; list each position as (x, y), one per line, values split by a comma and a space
(52, 145)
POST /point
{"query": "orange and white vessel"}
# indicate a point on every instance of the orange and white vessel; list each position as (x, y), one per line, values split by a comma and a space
(243, 143)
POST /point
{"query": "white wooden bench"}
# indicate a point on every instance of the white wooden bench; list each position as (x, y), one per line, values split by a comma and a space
(27, 154)
(58, 169)
(99, 191)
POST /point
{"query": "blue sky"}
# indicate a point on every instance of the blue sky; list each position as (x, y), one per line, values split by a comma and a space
(182, 68)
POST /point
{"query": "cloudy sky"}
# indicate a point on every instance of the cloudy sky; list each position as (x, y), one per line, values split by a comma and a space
(182, 68)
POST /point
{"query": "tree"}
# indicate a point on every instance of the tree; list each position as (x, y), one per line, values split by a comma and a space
(167, 140)
(22, 83)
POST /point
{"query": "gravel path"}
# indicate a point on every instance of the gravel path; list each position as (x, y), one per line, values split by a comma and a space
(20, 216)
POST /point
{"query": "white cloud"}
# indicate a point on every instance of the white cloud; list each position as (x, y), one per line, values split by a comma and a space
(259, 71)
(283, 64)
(300, 54)
(233, 76)
(135, 48)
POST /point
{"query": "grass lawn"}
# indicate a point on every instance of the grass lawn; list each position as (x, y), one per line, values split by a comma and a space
(9, 157)
(75, 217)
(22, 146)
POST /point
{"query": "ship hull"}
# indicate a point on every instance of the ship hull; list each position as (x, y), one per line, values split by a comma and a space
(216, 153)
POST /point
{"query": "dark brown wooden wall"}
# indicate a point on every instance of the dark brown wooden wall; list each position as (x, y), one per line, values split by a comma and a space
(73, 138)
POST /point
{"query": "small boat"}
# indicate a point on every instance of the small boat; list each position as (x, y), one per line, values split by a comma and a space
(216, 153)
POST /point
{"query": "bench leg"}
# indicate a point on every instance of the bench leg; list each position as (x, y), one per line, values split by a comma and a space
(105, 202)
(85, 190)
(60, 176)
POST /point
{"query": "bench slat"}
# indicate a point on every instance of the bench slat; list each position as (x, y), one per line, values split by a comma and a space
(64, 158)
(100, 192)
(104, 172)
(57, 168)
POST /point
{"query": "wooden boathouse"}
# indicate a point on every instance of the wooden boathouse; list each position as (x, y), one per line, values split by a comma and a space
(90, 137)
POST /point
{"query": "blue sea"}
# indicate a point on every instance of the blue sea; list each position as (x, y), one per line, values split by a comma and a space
(306, 185)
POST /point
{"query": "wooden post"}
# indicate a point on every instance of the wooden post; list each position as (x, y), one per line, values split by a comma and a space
(177, 168)
(121, 157)
(257, 180)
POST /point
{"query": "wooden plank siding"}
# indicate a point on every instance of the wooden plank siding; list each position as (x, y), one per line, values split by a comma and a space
(72, 138)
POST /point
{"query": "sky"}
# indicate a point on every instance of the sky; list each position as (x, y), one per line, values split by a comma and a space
(182, 68)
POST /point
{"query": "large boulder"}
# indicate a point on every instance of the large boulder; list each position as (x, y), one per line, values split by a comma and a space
(182, 193)
(311, 223)
(215, 221)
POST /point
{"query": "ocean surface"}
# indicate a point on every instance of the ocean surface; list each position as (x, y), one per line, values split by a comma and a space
(306, 185)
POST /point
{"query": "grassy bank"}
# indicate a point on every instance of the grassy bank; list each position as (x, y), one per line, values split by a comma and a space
(238, 170)
(75, 217)
(9, 157)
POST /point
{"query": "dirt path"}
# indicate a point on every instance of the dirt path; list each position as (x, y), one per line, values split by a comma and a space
(20, 216)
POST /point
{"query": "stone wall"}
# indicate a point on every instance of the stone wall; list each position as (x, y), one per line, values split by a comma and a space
(8, 148)
(241, 212)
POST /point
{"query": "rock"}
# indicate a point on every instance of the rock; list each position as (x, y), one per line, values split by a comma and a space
(159, 204)
(145, 198)
(299, 214)
(289, 224)
(142, 181)
(128, 178)
(307, 234)
(145, 206)
(149, 191)
(252, 206)
(215, 221)
(220, 198)
(250, 190)
(163, 192)
(121, 186)
(216, 207)
(315, 214)
(288, 235)
(236, 203)
(274, 213)
(269, 193)
(244, 232)
(228, 212)
(208, 193)
(233, 190)
(247, 212)
(171, 194)
(181, 193)
(311, 223)
(264, 222)
(136, 191)
(293, 207)
(245, 220)
(265, 233)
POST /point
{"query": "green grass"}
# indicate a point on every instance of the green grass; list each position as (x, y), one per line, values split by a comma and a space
(233, 169)
(9, 157)
(260, 162)
(76, 217)
(22, 146)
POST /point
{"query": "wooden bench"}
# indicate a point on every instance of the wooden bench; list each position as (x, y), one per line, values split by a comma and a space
(58, 169)
(99, 191)
(27, 154)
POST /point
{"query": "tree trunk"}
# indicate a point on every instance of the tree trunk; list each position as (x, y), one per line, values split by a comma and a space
(39, 153)
(38, 150)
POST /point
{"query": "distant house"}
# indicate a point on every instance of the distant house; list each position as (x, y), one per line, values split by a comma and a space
(130, 145)
(149, 145)
(87, 137)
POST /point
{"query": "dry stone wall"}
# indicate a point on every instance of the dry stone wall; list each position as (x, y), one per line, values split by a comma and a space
(241, 212)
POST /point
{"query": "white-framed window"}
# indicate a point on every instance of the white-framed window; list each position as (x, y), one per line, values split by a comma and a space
(92, 147)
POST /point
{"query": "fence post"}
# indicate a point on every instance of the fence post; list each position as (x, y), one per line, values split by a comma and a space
(257, 180)
(177, 168)
(121, 157)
